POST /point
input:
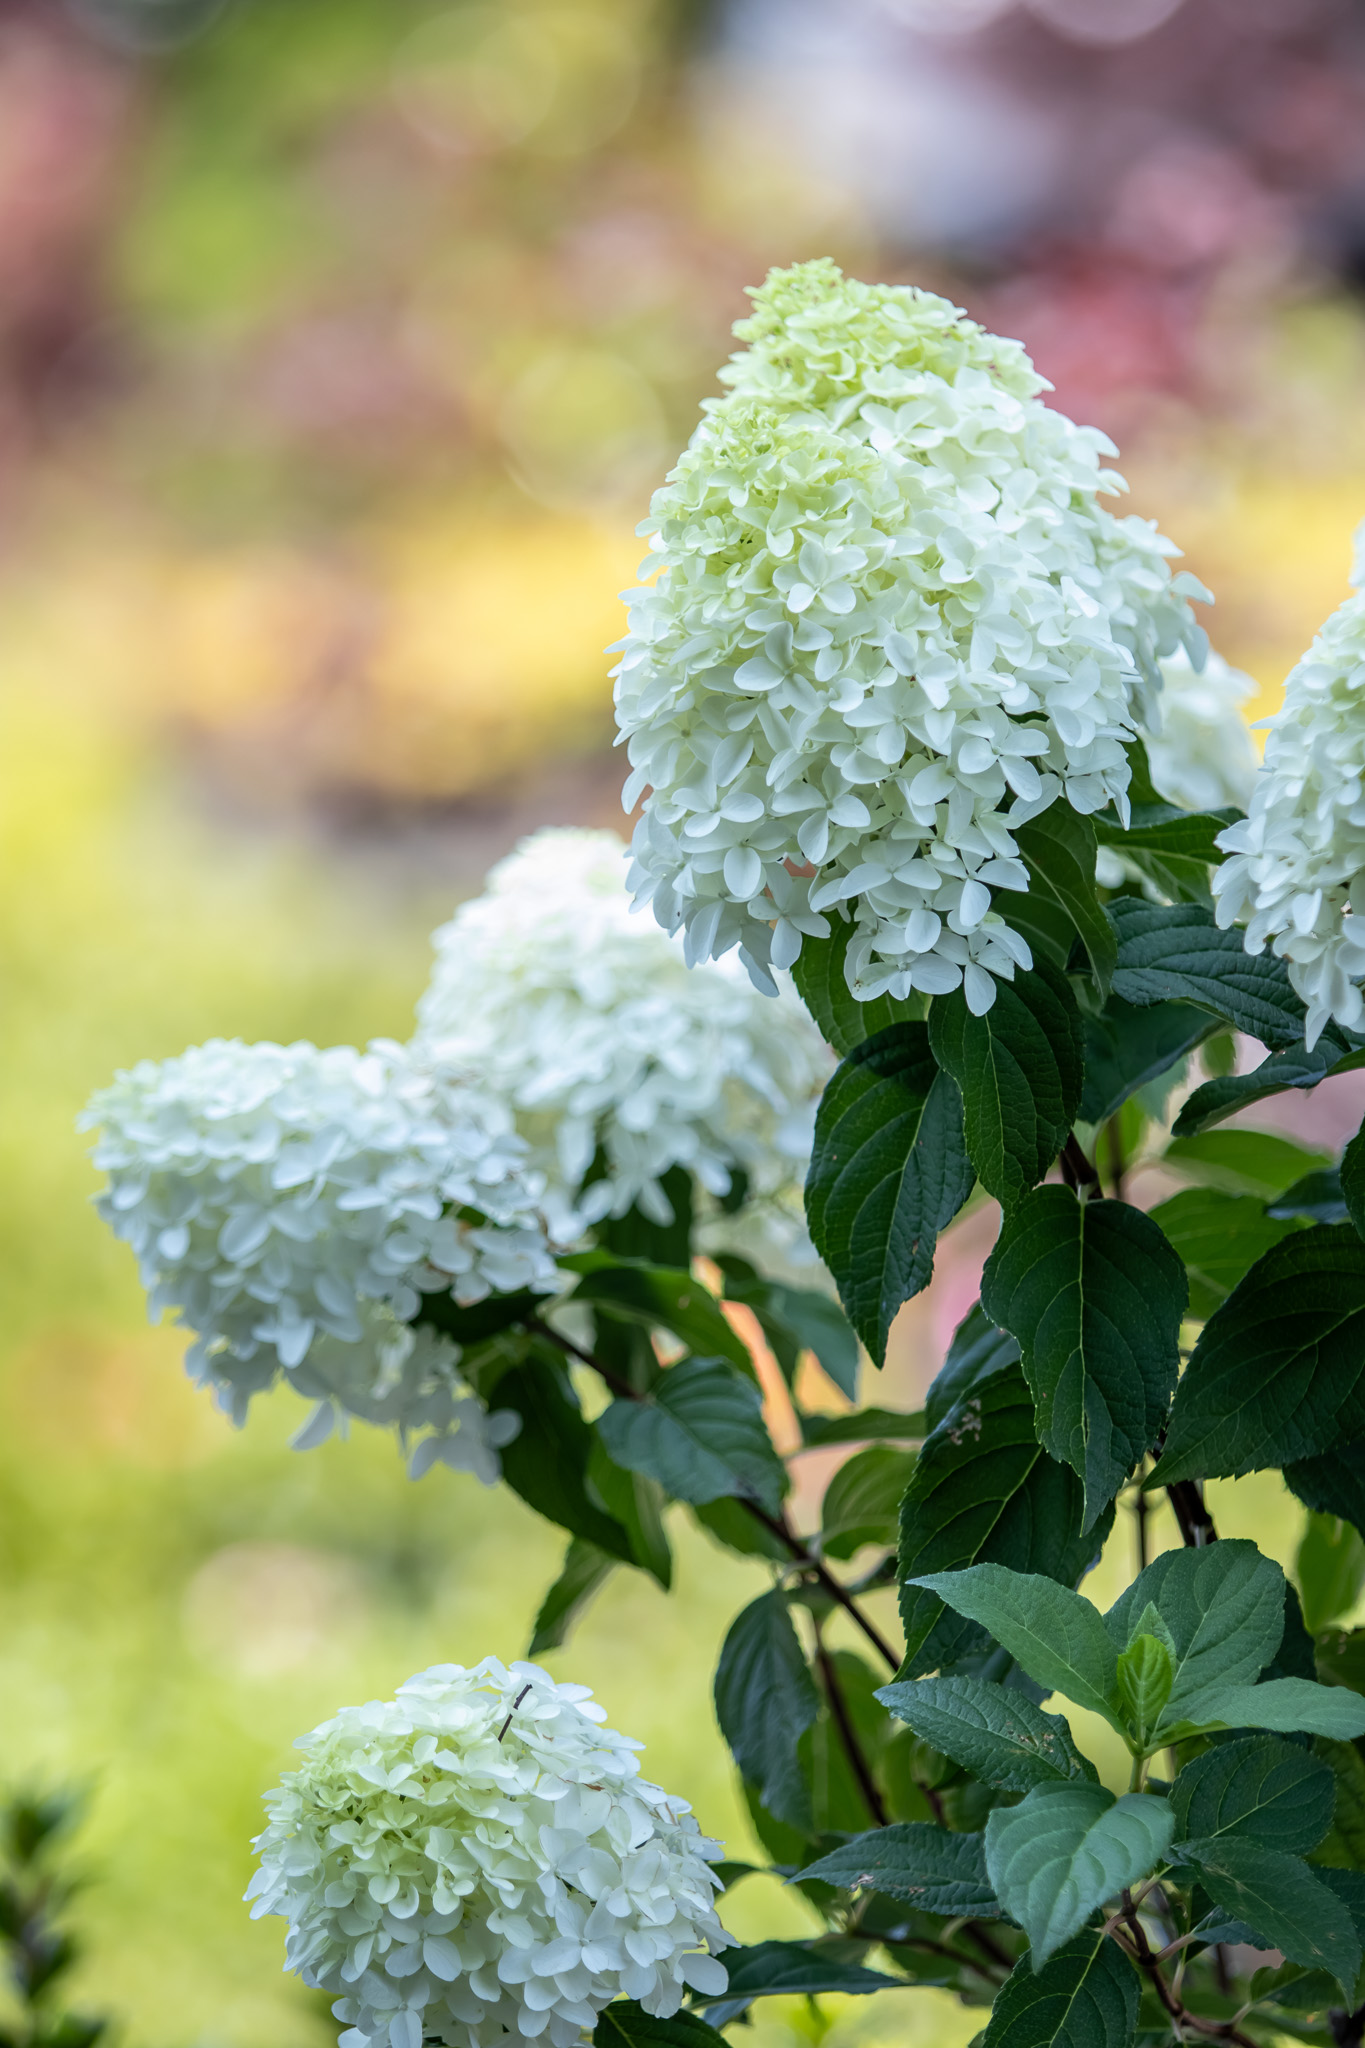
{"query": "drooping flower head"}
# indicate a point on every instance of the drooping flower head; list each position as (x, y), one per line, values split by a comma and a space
(293, 1206)
(892, 623)
(586, 1017)
(1297, 876)
(478, 1860)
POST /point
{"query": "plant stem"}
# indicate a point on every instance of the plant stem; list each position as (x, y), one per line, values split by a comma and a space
(776, 1525)
(1186, 1497)
(1178, 2013)
(1113, 1145)
(1077, 1171)
(848, 1734)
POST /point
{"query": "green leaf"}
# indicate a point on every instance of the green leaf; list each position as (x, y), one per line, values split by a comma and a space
(1270, 1792)
(984, 1491)
(823, 987)
(1065, 1849)
(977, 1353)
(1332, 1483)
(700, 1433)
(1125, 1048)
(793, 1968)
(865, 1425)
(1290, 1706)
(1345, 1844)
(863, 1499)
(657, 1297)
(1084, 1996)
(625, 2024)
(1242, 1162)
(1222, 1608)
(547, 1461)
(1095, 1296)
(993, 1731)
(1020, 1069)
(637, 1236)
(839, 1805)
(1176, 953)
(1218, 1239)
(1353, 1179)
(1058, 849)
(584, 1569)
(1163, 829)
(888, 1172)
(637, 1503)
(765, 1701)
(1295, 1067)
(1286, 1903)
(1056, 1635)
(484, 1319)
(1341, 1659)
(1317, 1198)
(931, 1869)
(1329, 1569)
(1145, 1677)
(794, 1320)
(1278, 1373)
(730, 1523)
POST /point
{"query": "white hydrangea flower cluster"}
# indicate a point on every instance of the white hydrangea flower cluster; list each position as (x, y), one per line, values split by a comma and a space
(292, 1206)
(1201, 752)
(894, 622)
(477, 1860)
(1297, 872)
(588, 1020)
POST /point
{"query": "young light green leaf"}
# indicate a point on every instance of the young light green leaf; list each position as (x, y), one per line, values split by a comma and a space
(1290, 1706)
(1095, 1296)
(993, 1731)
(1270, 1792)
(700, 1433)
(765, 1701)
(625, 2024)
(1218, 1238)
(1329, 1569)
(977, 1353)
(1065, 1849)
(1285, 1902)
(1176, 953)
(1056, 1635)
(584, 1569)
(1223, 1610)
(1058, 849)
(1353, 1179)
(863, 1500)
(1278, 1373)
(1242, 1162)
(1125, 1048)
(931, 1869)
(888, 1172)
(1084, 1996)
(1145, 1677)
(1020, 1069)
(1296, 1067)
(985, 1492)
(822, 984)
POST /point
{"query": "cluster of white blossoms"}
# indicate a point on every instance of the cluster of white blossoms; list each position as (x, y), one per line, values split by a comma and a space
(292, 1206)
(478, 1860)
(892, 623)
(586, 1018)
(1202, 755)
(1297, 872)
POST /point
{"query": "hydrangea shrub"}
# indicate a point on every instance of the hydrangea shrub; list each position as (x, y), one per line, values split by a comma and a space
(919, 722)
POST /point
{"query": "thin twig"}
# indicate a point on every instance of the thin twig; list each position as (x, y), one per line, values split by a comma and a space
(1186, 1497)
(1139, 1949)
(515, 1704)
(848, 1734)
(1077, 1171)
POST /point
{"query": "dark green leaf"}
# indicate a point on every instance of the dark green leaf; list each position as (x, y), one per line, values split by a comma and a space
(797, 1319)
(822, 985)
(626, 2025)
(839, 1805)
(1095, 1296)
(1176, 953)
(1065, 1849)
(1317, 1197)
(863, 1500)
(865, 1425)
(926, 1866)
(1222, 1611)
(1353, 1180)
(1020, 1069)
(1278, 1373)
(1058, 849)
(1296, 1067)
(1125, 1048)
(765, 1700)
(1341, 1659)
(657, 1297)
(730, 1522)
(585, 1567)
(1042, 921)
(637, 1503)
(1332, 1483)
(1055, 1634)
(1345, 1845)
(547, 1461)
(637, 1236)
(1163, 828)
(888, 1172)
(993, 1731)
(796, 1968)
(1084, 1996)
(984, 1491)
(1290, 1706)
(487, 1318)
(1330, 1570)
(700, 1433)
(1243, 1162)
(1218, 1238)
(1289, 1905)
(1271, 1792)
(977, 1353)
